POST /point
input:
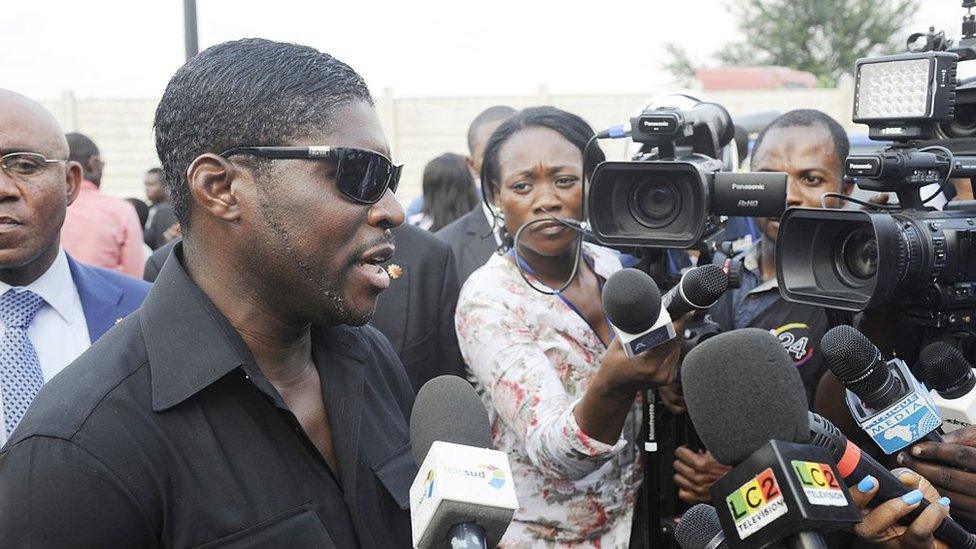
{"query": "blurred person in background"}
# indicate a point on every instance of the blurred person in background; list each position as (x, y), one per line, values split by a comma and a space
(142, 209)
(52, 308)
(559, 389)
(449, 192)
(99, 229)
(161, 227)
(472, 236)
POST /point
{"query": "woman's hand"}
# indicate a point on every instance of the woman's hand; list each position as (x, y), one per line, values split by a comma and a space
(880, 525)
(603, 409)
(622, 375)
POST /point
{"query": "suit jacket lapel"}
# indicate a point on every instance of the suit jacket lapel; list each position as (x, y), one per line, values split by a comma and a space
(481, 243)
(100, 299)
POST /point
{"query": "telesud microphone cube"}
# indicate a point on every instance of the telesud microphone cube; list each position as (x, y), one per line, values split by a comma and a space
(457, 484)
(780, 490)
(902, 423)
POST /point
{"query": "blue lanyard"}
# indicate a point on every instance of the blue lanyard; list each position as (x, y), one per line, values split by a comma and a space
(589, 262)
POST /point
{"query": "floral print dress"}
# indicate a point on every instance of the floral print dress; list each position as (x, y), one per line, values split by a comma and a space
(531, 357)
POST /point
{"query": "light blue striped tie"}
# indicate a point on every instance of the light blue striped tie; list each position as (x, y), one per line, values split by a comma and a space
(20, 370)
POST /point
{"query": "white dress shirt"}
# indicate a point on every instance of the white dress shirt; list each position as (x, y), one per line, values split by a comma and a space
(58, 332)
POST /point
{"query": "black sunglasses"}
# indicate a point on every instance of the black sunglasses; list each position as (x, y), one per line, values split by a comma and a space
(361, 174)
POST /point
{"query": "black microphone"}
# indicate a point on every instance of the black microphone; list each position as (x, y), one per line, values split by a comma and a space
(699, 528)
(854, 465)
(750, 408)
(943, 368)
(886, 400)
(632, 302)
(698, 289)
(463, 494)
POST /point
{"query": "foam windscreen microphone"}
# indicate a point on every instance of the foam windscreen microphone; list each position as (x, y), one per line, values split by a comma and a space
(950, 377)
(884, 397)
(747, 400)
(853, 465)
(632, 302)
(739, 379)
(463, 495)
(699, 528)
(698, 289)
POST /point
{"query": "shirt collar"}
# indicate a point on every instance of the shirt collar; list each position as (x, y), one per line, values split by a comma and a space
(751, 262)
(55, 286)
(191, 344)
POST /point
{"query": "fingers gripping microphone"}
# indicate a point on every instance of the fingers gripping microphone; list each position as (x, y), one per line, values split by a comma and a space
(698, 289)
(853, 465)
(699, 528)
(463, 496)
(884, 397)
(950, 377)
(781, 487)
(632, 302)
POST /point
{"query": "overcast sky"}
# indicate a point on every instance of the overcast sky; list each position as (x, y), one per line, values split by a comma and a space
(130, 48)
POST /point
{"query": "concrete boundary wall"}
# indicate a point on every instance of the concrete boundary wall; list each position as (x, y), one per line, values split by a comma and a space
(418, 128)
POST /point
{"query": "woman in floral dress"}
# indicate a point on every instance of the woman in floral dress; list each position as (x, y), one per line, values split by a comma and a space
(559, 389)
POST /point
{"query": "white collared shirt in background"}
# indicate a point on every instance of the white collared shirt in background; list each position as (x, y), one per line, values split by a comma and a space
(59, 331)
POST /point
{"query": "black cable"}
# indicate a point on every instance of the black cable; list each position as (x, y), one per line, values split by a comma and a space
(841, 196)
(952, 165)
(579, 226)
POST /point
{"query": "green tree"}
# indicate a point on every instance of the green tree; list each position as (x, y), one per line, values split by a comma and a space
(823, 37)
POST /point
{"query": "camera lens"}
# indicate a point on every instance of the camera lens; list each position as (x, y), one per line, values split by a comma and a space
(858, 257)
(963, 124)
(655, 202)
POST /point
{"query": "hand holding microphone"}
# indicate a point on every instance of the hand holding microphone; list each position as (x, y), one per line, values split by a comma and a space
(882, 525)
(950, 466)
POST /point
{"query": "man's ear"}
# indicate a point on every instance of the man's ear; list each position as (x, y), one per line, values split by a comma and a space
(73, 175)
(471, 169)
(210, 178)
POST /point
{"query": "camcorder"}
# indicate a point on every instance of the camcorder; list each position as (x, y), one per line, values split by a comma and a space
(676, 190)
(911, 257)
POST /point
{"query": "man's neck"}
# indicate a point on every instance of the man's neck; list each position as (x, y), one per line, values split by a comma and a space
(26, 274)
(282, 347)
(767, 260)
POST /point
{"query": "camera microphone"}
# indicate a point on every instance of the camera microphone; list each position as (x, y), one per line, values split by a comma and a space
(699, 528)
(950, 377)
(853, 465)
(632, 302)
(781, 487)
(463, 495)
(886, 400)
(698, 289)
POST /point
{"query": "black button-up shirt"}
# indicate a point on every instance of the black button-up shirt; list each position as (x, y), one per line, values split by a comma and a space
(165, 434)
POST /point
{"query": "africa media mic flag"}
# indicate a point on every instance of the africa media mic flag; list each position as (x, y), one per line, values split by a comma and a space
(780, 490)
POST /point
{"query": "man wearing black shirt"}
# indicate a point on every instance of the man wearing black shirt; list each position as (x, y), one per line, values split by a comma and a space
(241, 406)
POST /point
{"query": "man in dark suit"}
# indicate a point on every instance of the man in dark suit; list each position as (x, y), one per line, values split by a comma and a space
(52, 308)
(471, 236)
(246, 403)
(416, 313)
